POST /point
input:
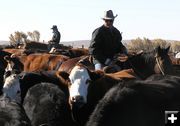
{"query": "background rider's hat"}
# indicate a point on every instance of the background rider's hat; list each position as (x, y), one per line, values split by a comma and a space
(108, 15)
(54, 27)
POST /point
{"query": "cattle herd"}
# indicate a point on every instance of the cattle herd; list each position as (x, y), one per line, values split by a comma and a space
(61, 88)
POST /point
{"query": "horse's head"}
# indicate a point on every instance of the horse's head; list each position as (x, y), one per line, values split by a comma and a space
(163, 64)
(155, 62)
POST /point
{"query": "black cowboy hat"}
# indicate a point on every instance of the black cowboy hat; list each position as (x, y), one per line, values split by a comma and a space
(54, 27)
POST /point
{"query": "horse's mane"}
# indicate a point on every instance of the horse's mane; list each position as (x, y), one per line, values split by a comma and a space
(148, 57)
(142, 64)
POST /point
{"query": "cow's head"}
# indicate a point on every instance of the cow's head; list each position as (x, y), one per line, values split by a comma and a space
(13, 63)
(80, 79)
(11, 88)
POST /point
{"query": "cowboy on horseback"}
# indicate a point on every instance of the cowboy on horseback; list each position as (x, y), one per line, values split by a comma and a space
(54, 42)
(106, 42)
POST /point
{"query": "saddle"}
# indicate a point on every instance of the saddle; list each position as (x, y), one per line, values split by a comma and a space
(123, 58)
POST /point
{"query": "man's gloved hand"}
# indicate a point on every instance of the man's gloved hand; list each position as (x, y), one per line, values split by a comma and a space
(49, 41)
(125, 51)
(108, 61)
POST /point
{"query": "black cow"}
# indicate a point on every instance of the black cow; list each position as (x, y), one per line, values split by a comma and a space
(138, 103)
(12, 114)
(45, 104)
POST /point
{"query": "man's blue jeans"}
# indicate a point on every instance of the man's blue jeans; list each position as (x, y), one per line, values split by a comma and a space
(97, 65)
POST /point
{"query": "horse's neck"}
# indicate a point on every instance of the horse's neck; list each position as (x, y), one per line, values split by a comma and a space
(142, 65)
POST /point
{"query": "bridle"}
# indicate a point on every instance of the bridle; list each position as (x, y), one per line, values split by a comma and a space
(159, 66)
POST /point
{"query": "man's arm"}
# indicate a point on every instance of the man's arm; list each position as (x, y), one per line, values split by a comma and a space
(121, 47)
(95, 46)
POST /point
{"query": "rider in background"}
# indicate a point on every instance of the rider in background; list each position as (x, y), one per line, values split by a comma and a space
(54, 42)
(106, 42)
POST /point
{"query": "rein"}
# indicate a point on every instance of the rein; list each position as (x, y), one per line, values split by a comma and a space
(135, 70)
(159, 66)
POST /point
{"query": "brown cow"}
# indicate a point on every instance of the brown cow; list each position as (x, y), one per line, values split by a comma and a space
(68, 65)
(17, 52)
(72, 53)
(175, 61)
(176, 64)
(37, 62)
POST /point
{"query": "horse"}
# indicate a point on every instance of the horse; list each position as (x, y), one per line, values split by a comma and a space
(138, 102)
(146, 64)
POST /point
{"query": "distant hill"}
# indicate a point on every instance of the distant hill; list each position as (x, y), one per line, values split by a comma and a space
(86, 43)
(4, 42)
(77, 43)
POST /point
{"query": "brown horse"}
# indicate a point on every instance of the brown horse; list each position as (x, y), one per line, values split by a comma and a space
(146, 64)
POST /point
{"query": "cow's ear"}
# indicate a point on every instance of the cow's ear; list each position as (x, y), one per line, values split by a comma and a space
(7, 58)
(21, 76)
(62, 74)
(94, 75)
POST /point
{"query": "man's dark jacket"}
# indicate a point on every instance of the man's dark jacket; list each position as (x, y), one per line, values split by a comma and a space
(105, 43)
(56, 37)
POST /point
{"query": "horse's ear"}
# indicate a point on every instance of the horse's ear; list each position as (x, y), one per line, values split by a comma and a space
(167, 49)
(158, 50)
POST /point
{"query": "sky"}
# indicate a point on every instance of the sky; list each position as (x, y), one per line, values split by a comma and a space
(77, 19)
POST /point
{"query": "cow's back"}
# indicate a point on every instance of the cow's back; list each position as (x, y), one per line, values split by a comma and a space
(12, 114)
(45, 103)
(38, 62)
